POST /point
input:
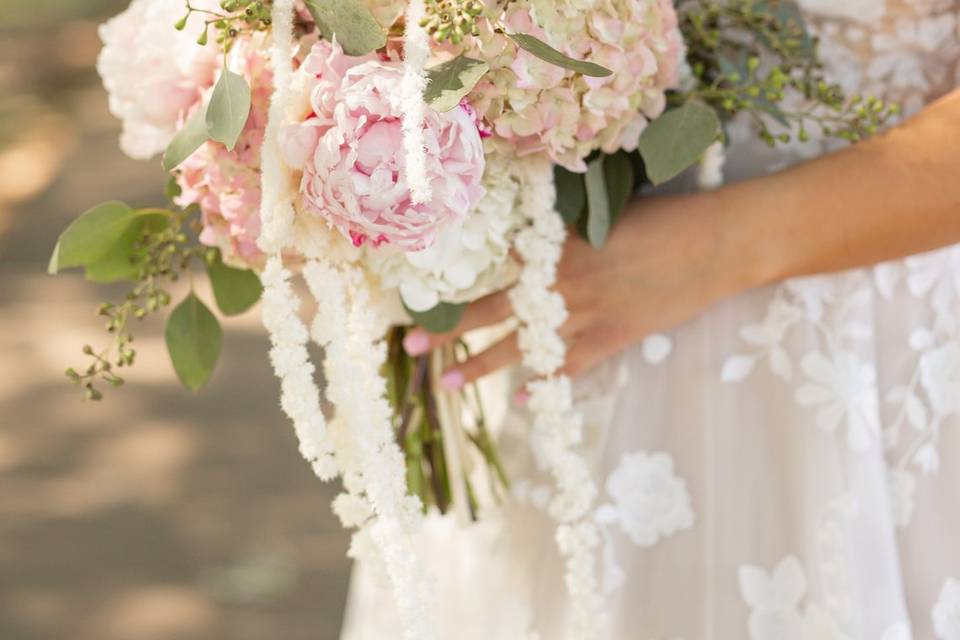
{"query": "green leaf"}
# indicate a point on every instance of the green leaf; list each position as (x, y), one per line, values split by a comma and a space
(357, 31)
(598, 203)
(788, 15)
(735, 62)
(122, 260)
(172, 190)
(772, 109)
(193, 134)
(228, 109)
(91, 236)
(442, 318)
(547, 53)
(571, 194)
(235, 290)
(450, 81)
(677, 139)
(619, 179)
(193, 338)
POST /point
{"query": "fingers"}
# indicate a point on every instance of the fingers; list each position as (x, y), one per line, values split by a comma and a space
(488, 310)
(501, 354)
(586, 350)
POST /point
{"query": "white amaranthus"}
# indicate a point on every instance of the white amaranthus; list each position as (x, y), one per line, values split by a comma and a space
(374, 470)
(359, 442)
(276, 184)
(557, 426)
(710, 173)
(416, 51)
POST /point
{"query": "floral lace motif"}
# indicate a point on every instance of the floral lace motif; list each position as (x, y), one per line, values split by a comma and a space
(819, 334)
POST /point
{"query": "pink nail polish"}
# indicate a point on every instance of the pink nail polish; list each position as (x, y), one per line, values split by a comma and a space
(452, 380)
(416, 343)
(521, 398)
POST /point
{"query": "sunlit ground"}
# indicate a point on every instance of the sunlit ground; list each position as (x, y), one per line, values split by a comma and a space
(156, 514)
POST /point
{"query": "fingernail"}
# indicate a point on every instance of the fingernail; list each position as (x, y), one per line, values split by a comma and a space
(521, 398)
(452, 380)
(416, 343)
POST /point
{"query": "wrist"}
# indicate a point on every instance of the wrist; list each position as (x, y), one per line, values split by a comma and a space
(752, 253)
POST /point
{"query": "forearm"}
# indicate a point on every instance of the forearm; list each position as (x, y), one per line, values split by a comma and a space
(888, 197)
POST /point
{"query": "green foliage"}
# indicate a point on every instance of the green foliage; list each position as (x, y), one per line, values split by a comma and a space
(677, 139)
(449, 82)
(598, 203)
(194, 339)
(193, 134)
(440, 319)
(571, 194)
(91, 236)
(749, 55)
(233, 19)
(122, 262)
(451, 20)
(620, 182)
(228, 109)
(547, 53)
(235, 290)
(146, 247)
(357, 31)
(594, 201)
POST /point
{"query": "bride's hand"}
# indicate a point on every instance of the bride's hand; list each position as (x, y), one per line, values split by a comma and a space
(668, 259)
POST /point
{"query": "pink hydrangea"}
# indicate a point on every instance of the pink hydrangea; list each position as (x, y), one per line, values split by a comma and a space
(350, 150)
(537, 106)
(154, 73)
(226, 184)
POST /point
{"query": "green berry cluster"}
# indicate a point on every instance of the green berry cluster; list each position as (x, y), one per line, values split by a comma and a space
(451, 19)
(236, 17)
(749, 56)
(160, 255)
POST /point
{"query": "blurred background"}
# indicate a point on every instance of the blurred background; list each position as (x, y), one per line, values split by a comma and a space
(155, 514)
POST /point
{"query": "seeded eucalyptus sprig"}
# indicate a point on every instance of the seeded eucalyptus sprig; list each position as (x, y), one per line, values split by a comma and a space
(235, 18)
(758, 57)
(452, 19)
(747, 56)
(152, 249)
(153, 256)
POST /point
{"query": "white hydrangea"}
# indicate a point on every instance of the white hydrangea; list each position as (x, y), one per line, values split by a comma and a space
(466, 261)
(153, 73)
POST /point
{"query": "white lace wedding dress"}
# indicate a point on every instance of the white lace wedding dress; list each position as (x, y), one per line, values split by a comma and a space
(784, 467)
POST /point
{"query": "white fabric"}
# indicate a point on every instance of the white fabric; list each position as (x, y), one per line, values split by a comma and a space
(784, 467)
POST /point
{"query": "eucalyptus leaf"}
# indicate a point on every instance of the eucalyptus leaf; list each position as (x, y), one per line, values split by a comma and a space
(91, 236)
(193, 134)
(598, 203)
(450, 81)
(440, 319)
(677, 139)
(571, 194)
(353, 24)
(194, 339)
(122, 261)
(785, 12)
(547, 53)
(228, 109)
(235, 290)
(772, 109)
(619, 179)
(735, 62)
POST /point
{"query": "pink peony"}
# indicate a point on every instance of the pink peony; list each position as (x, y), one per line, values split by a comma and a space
(154, 73)
(350, 149)
(226, 184)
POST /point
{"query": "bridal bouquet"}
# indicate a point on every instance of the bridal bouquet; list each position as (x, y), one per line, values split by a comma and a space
(403, 158)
